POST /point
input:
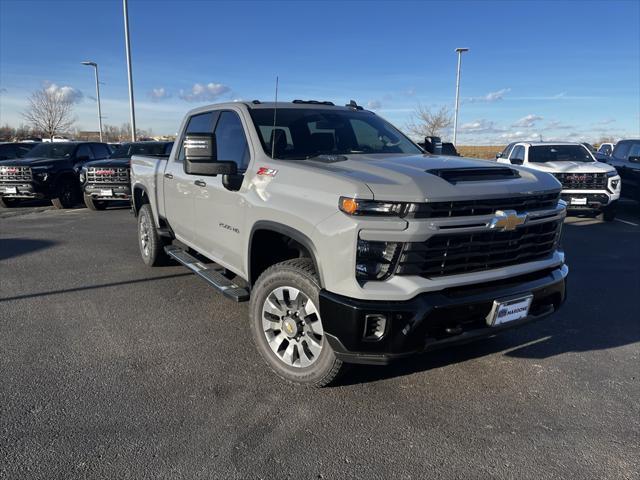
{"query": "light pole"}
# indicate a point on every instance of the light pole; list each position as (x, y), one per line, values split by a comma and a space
(95, 66)
(455, 113)
(129, 71)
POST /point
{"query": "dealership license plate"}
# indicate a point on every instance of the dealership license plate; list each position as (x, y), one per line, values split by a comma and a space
(578, 200)
(505, 311)
(10, 190)
(106, 193)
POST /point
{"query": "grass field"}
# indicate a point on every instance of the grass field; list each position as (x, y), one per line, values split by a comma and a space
(479, 151)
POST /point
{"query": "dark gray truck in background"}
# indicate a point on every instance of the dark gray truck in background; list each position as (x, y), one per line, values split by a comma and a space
(350, 242)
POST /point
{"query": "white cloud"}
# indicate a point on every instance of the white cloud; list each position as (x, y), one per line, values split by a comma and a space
(159, 94)
(528, 121)
(557, 125)
(65, 92)
(490, 97)
(374, 105)
(606, 121)
(519, 135)
(480, 126)
(201, 93)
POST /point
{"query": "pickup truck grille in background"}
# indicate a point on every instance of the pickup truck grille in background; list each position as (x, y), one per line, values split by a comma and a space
(484, 207)
(472, 252)
(582, 181)
(15, 174)
(107, 175)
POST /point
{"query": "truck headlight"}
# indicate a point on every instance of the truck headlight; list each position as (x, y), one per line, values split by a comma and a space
(82, 176)
(354, 206)
(376, 260)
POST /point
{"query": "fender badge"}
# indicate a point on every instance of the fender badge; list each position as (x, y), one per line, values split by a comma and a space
(267, 172)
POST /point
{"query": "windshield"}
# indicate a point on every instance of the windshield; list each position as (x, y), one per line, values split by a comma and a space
(52, 150)
(148, 148)
(302, 133)
(559, 153)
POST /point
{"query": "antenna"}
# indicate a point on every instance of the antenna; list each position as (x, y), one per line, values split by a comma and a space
(273, 132)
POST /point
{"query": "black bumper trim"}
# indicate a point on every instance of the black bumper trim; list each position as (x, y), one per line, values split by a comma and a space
(433, 320)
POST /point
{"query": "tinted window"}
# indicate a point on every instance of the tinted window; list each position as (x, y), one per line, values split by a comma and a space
(507, 150)
(52, 150)
(317, 131)
(634, 150)
(84, 151)
(231, 140)
(621, 150)
(559, 153)
(606, 149)
(100, 150)
(518, 153)
(7, 151)
(201, 123)
(145, 148)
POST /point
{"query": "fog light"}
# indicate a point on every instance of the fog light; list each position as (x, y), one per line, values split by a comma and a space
(375, 325)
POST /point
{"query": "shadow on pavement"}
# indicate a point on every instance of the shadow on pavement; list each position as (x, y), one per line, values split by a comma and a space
(604, 267)
(14, 247)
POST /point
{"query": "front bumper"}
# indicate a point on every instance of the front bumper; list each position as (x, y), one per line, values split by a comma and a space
(22, 190)
(595, 200)
(434, 319)
(99, 191)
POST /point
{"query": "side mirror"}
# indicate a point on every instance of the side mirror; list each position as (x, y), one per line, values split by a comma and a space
(498, 155)
(634, 159)
(200, 155)
(517, 161)
(83, 158)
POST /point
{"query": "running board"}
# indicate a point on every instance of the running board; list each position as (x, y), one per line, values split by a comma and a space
(216, 279)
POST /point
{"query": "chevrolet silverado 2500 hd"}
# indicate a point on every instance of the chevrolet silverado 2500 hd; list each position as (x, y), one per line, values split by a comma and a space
(350, 242)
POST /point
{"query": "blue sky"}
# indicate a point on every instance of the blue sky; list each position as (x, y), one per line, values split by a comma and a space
(558, 70)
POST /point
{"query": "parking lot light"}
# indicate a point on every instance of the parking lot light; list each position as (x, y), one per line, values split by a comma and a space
(460, 51)
(95, 66)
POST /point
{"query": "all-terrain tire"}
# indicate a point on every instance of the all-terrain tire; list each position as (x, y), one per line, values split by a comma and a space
(94, 204)
(609, 212)
(297, 274)
(151, 244)
(66, 194)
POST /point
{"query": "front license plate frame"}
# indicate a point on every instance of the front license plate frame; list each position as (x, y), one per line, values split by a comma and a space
(509, 310)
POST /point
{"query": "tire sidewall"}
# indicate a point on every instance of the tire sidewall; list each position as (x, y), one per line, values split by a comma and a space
(145, 216)
(288, 276)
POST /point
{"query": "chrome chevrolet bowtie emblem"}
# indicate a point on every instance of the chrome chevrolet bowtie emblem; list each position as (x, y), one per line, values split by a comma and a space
(507, 220)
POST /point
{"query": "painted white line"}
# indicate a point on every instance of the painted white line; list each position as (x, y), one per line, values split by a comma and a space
(627, 222)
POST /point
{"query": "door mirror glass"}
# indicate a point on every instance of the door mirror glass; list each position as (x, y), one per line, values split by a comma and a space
(210, 169)
(200, 156)
(517, 161)
(634, 159)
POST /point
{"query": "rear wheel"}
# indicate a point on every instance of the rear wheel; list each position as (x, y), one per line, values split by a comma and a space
(66, 194)
(8, 202)
(151, 244)
(94, 204)
(286, 326)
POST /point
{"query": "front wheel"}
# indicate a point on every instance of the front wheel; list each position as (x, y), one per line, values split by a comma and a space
(609, 212)
(286, 325)
(66, 194)
(94, 204)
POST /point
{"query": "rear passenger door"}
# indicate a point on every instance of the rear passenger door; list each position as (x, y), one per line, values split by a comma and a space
(219, 201)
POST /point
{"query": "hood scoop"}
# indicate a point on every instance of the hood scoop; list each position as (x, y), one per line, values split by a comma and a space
(473, 174)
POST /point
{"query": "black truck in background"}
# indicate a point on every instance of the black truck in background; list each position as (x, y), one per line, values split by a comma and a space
(48, 171)
(105, 181)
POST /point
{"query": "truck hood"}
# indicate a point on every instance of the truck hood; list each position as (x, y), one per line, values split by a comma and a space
(109, 162)
(35, 162)
(571, 167)
(415, 178)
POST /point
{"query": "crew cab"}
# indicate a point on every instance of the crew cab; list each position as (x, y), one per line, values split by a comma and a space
(351, 244)
(588, 186)
(625, 158)
(48, 171)
(105, 181)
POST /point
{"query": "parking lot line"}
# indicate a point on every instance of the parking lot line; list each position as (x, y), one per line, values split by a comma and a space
(627, 222)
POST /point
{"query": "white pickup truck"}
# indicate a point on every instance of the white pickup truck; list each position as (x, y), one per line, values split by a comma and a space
(588, 186)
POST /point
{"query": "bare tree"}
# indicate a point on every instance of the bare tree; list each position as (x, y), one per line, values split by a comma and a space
(49, 112)
(426, 122)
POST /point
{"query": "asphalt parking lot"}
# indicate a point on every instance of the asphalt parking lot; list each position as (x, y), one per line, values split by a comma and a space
(109, 369)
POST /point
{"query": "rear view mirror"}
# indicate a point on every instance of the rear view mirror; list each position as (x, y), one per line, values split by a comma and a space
(634, 159)
(200, 155)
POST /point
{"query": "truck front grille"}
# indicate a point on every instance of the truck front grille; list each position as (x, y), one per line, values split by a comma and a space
(582, 181)
(458, 253)
(107, 175)
(15, 174)
(484, 207)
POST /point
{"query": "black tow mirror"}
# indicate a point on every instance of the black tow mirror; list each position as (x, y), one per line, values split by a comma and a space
(517, 161)
(83, 158)
(200, 155)
(498, 155)
(634, 159)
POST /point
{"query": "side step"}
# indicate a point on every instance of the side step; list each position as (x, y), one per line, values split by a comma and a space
(211, 275)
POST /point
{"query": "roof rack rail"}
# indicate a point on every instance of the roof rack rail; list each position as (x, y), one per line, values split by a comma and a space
(354, 105)
(314, 102)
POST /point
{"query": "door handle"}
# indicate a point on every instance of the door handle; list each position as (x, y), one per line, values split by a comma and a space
(200, 183)
(168, 175)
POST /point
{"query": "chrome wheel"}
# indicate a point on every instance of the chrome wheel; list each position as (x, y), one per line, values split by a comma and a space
(292, 327)
(144, 235)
